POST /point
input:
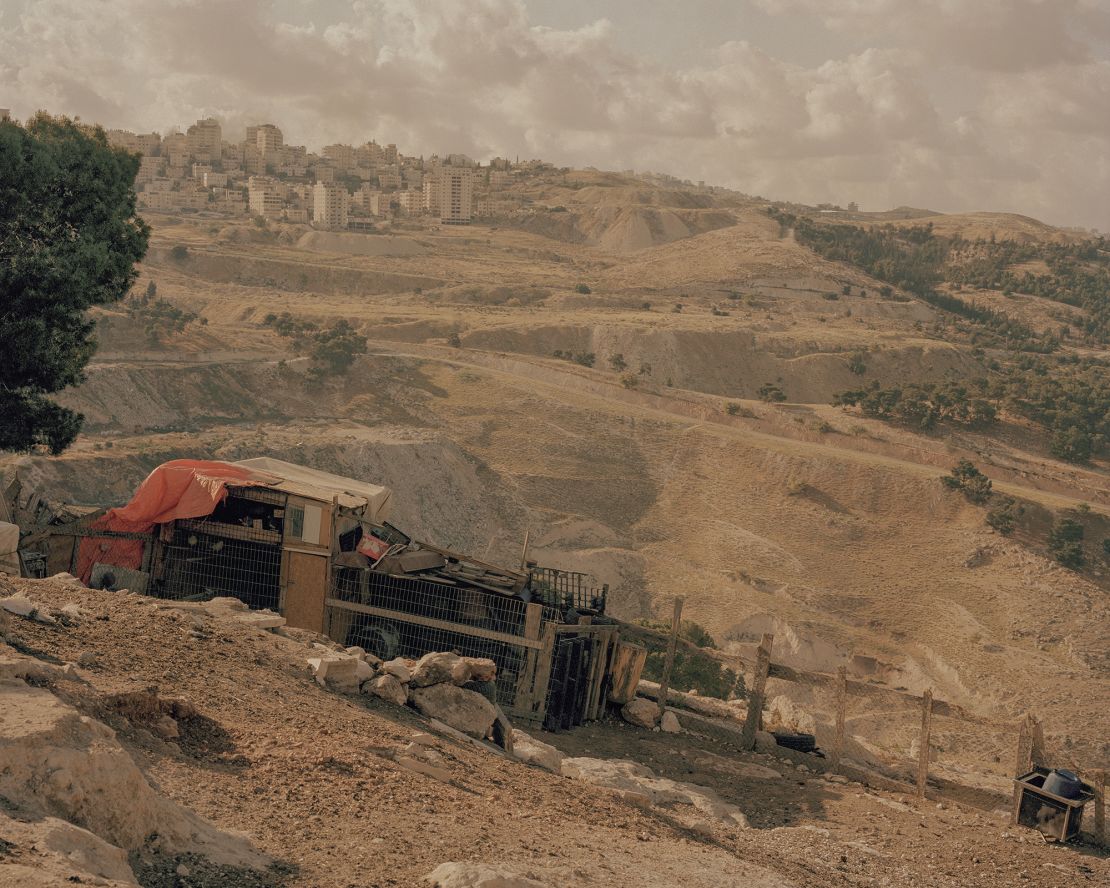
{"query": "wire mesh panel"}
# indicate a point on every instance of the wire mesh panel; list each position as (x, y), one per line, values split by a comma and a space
(413, 617)
(569, 688)
(567, 589)
(201, 562)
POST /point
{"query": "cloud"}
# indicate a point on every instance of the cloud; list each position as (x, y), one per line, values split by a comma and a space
(1021, 129)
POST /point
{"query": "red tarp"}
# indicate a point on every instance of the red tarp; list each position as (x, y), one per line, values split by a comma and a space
(182, 488)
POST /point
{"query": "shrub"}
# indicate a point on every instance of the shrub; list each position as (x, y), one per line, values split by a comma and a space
(692, 671)
(630, 380)
(454, 341)
(179, 253)
(732, 408)
(583, 289)
(617, 362)
(771, 393)
(857, 364)
(1003, 517)
(966, 478)
(1065, 543)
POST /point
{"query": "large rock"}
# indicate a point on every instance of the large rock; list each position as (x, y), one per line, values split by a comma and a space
(669, 723)
(398, 669)
(337, 672)
(636, 781)
(534, 752)
(784, 714)
(463, 710)
(477, 875)
(440, 667)
(388, 688)
(55, 762)
(481, 668)
(64, 854)
(640, 712)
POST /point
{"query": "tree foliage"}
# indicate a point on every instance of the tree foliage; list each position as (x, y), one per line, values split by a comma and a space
(69, 240)
(967, 479)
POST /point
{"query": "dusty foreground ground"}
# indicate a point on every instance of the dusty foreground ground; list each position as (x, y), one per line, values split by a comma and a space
(310, 775)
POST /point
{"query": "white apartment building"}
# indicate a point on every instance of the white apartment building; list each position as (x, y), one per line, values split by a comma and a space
(268, 139)
(265, 197)
(452, 193)
(342, 157)
(215, 180)
(330, 206)
(150, 168)
(410, 202)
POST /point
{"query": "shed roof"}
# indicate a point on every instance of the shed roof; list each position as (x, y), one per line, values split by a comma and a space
(318, 485)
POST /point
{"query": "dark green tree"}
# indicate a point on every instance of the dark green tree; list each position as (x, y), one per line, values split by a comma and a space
(69, 240)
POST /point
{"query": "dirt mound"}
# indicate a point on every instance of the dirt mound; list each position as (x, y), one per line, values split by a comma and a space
(623, 228)
(359, 244)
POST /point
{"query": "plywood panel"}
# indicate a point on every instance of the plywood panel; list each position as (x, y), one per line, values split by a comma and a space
(305, 587)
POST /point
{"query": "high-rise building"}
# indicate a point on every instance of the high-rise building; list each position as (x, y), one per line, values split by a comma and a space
(452, 194)
(265, 197)
(204, 139)
(267, 138)
(330, 205)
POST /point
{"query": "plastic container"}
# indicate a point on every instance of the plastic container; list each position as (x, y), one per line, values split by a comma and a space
(1063, 784)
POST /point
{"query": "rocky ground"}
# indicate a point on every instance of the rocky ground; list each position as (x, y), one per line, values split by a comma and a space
(318, 781)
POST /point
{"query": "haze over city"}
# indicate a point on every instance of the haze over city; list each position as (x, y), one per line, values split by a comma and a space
(941, 104)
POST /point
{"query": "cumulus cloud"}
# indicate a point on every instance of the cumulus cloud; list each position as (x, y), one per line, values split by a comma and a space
(1019, 126)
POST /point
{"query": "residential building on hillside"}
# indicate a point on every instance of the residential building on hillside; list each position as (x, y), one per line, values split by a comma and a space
(342, 157)
(410, 202)
(215, 180)
(330, 206)
(265, 197)
(452, 193)
(205, 138)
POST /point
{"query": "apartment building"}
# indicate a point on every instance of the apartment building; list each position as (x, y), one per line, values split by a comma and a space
(214, 180)
(451, 192)
(204, 139)
(268, 139)
(342, 157)
(330, 206)
(265, 197)
(410, 202)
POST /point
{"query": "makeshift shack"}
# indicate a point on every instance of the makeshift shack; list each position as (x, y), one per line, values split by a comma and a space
(317, 548)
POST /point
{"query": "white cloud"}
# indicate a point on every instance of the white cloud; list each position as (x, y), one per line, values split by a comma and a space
(479, 77)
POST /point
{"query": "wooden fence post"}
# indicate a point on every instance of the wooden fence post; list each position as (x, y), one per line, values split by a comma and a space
(524, 550)
(1100, 809)
(1023, 760)
(923, 747)
(841, 705)
(668, 665)
(754, 720)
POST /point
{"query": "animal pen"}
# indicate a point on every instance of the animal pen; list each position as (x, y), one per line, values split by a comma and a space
(317, 548)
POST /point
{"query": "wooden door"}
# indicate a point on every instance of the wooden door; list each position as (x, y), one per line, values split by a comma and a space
(306, 578)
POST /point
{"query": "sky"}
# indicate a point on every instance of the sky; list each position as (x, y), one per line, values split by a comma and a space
(952, 105)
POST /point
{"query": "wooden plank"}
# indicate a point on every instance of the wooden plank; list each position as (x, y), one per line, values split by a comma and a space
(533, 617)
(543, 672)
(306, 583)
(923, 743)
(447, 625)
(524, 551)
(841, 705)
(607, 641)
(754, 719)
(668, 663)
(1100, 808)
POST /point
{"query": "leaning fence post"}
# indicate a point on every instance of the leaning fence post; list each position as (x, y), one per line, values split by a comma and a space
(1023, 760)
(754, 720)
(665, 680)
(923, 747)
(1100, 808)
(841, 704)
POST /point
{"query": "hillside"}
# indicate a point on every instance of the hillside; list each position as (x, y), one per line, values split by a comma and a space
(604, 395)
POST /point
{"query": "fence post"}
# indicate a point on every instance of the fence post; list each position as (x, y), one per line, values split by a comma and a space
(841, 704)
(754, 720)
(923, 748)
(665, 679)
(1100, 809)
(524, 550)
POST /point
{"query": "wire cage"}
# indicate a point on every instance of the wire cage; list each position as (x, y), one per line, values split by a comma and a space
(565, 589)
(412, 617)
(204, 560)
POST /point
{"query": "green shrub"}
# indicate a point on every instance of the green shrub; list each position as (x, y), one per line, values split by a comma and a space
(1065, 543)
(583, 289)
(692, 671)
(967, 479)
(179, 253)
(1003, 517)
(771, 393)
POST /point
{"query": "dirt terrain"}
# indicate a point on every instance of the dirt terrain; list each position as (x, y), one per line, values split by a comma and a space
(311, 777)
(656, 469)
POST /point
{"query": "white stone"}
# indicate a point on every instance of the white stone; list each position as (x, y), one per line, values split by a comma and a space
(398, 669)
(669, 723)
(388, 688)
(439, 667)
(481, 668)
(463, 710)
(641, 712)
(531, 751)
(477, 875)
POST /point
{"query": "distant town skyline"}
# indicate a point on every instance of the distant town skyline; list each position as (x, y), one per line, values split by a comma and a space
(956, 106)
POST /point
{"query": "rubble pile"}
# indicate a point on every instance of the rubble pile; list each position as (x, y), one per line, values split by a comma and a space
(457, 691)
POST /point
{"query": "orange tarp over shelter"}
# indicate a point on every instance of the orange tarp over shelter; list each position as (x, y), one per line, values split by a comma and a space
(182, 488)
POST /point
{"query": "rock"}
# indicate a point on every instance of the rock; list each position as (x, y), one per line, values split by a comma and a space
(183, 870)
(765, 743)
(481, 668)
(166, 728)
(669, 723)
(462, 710)
(425, 768)
(67, 578)
(477, 875)
(86, 659)
(783, 713)
(531, 751)
(641, 712)
(363, 671)
(388, 688)
(439, 667)
(398, 670)
(21, 606)
(71, 610)
(337, 672)
(355, 651)
(631, 777)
